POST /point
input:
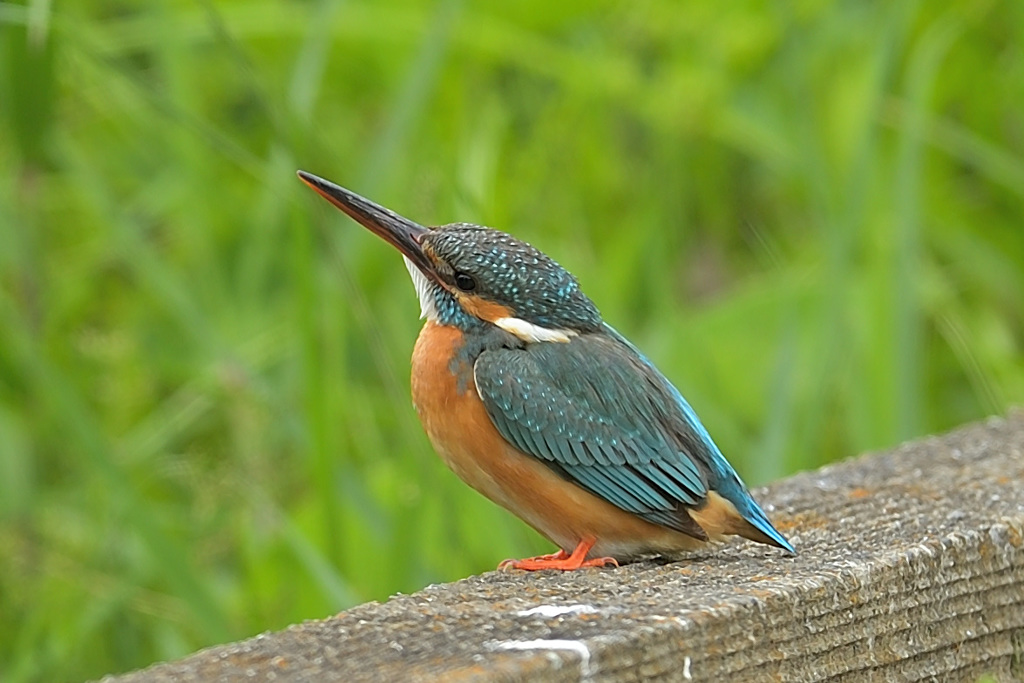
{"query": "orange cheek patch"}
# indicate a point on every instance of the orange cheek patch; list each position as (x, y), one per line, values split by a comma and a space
(481, 308)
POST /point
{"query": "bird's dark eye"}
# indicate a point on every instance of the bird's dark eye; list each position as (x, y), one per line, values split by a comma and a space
(465, 282)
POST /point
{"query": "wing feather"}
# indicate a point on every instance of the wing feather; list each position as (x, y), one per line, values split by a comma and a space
(598, 414)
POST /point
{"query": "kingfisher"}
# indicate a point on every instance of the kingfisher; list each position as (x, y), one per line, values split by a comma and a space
(541, 406)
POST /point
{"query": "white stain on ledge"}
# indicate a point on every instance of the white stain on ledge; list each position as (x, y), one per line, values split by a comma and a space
(571, 645)
(550, 611)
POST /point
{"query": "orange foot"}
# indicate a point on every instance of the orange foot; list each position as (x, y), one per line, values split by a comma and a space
(562, 560)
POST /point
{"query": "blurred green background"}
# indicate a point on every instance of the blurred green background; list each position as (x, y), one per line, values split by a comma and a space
(809, 214)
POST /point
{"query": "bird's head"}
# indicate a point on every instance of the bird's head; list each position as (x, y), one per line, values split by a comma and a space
(468, 275)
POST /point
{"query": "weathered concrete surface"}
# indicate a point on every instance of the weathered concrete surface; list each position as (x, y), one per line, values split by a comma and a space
(910, 566)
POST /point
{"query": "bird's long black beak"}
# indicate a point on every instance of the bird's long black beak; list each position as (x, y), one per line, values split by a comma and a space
(402, 233)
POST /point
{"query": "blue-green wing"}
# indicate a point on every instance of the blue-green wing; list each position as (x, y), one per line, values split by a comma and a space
(600, 416)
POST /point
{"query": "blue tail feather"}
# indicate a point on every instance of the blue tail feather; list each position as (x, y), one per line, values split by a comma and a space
(736, 493)
(729, 484)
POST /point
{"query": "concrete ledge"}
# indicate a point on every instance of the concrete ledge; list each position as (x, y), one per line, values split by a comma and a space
(911, 566)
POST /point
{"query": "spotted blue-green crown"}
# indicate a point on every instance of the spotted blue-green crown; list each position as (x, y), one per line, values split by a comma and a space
(512, 273)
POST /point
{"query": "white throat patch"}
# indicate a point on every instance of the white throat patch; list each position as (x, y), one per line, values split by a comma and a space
(424, 290)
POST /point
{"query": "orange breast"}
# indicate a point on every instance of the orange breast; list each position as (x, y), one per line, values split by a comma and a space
(464, 436)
